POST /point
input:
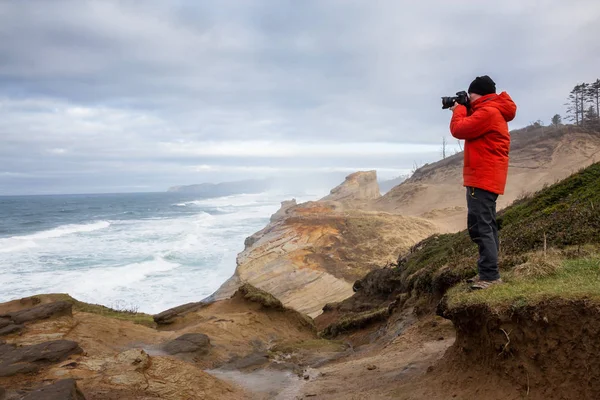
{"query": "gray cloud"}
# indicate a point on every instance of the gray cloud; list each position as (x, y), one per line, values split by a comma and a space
(92, 91)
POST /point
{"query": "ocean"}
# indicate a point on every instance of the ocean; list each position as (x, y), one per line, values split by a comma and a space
(141, 251)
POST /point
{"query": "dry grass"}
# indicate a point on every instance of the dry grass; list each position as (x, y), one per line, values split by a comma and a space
(80, 306)
(539, 264)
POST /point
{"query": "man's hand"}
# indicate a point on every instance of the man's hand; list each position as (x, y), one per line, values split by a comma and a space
(454, 106)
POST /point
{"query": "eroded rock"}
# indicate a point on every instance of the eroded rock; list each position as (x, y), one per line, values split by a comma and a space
(25, 359)
(65, 389)
(188, 343)
(44, 311)
(169, 316)
(358, 187)
(12, 328)
(281, 213)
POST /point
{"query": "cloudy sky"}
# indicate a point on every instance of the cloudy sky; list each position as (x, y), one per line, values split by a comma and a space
(114, 96)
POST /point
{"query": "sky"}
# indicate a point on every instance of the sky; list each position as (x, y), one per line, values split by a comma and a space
(125, 96)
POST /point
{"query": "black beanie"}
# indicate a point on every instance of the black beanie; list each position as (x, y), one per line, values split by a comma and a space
(483, 85)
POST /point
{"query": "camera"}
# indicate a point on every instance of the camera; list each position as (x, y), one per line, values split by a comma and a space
(460, 98)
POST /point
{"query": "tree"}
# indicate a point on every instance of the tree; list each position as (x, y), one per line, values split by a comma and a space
(594, 95)
(556, 120)
(578, 98)
(573, 106)
(592, 117)
(583, 99)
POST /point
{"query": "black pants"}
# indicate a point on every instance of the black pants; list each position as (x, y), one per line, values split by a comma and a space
(483, 230)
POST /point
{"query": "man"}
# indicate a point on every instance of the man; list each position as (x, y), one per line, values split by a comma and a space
(484, 128)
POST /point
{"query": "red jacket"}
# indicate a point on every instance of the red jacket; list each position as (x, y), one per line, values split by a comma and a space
(487, 140)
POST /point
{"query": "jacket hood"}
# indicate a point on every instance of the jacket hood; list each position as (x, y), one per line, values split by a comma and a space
(502, 102)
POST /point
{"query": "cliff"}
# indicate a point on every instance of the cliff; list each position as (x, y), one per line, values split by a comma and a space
(532, 337)
(311, 254)
(356, 190)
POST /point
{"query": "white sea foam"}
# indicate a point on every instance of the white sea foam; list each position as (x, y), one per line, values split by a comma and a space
(65, 230)
(20, 243)
(11, 244)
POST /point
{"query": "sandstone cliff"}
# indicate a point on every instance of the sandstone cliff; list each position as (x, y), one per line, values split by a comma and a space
(311, 254)
(356, 190)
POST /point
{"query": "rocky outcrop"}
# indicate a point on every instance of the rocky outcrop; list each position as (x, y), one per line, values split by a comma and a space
(65, 389)
(26, 359)
(11, 328)
(313, 255)
(13, 322)
(189, 343)
(43, 311)
(358, 188)
(283, 210)
(168, 316)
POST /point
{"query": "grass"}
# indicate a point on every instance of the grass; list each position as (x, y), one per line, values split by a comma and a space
(261, 297)
(574, 279)
(563, 215)
(124, 315)
(268, 301)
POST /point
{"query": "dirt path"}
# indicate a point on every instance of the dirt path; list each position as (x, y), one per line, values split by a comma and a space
(374, 371)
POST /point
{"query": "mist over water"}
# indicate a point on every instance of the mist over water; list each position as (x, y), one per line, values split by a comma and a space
(149, 251)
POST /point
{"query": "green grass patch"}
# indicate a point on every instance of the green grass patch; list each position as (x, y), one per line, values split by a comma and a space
(132, 316)
(562, 216)
(574, 279)
(261, 297)
(268, 301)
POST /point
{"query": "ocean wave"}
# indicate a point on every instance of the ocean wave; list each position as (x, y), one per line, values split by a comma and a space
(9, 245)
(141, 270)
(64, 230)
(236, 200)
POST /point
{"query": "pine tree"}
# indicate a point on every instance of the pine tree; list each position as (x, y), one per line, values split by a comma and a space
(583, 100)
(572, 104)
(592, 117)
(556, 120)
(594, 95)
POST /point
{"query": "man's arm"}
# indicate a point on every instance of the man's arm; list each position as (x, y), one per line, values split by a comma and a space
(469, 127)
